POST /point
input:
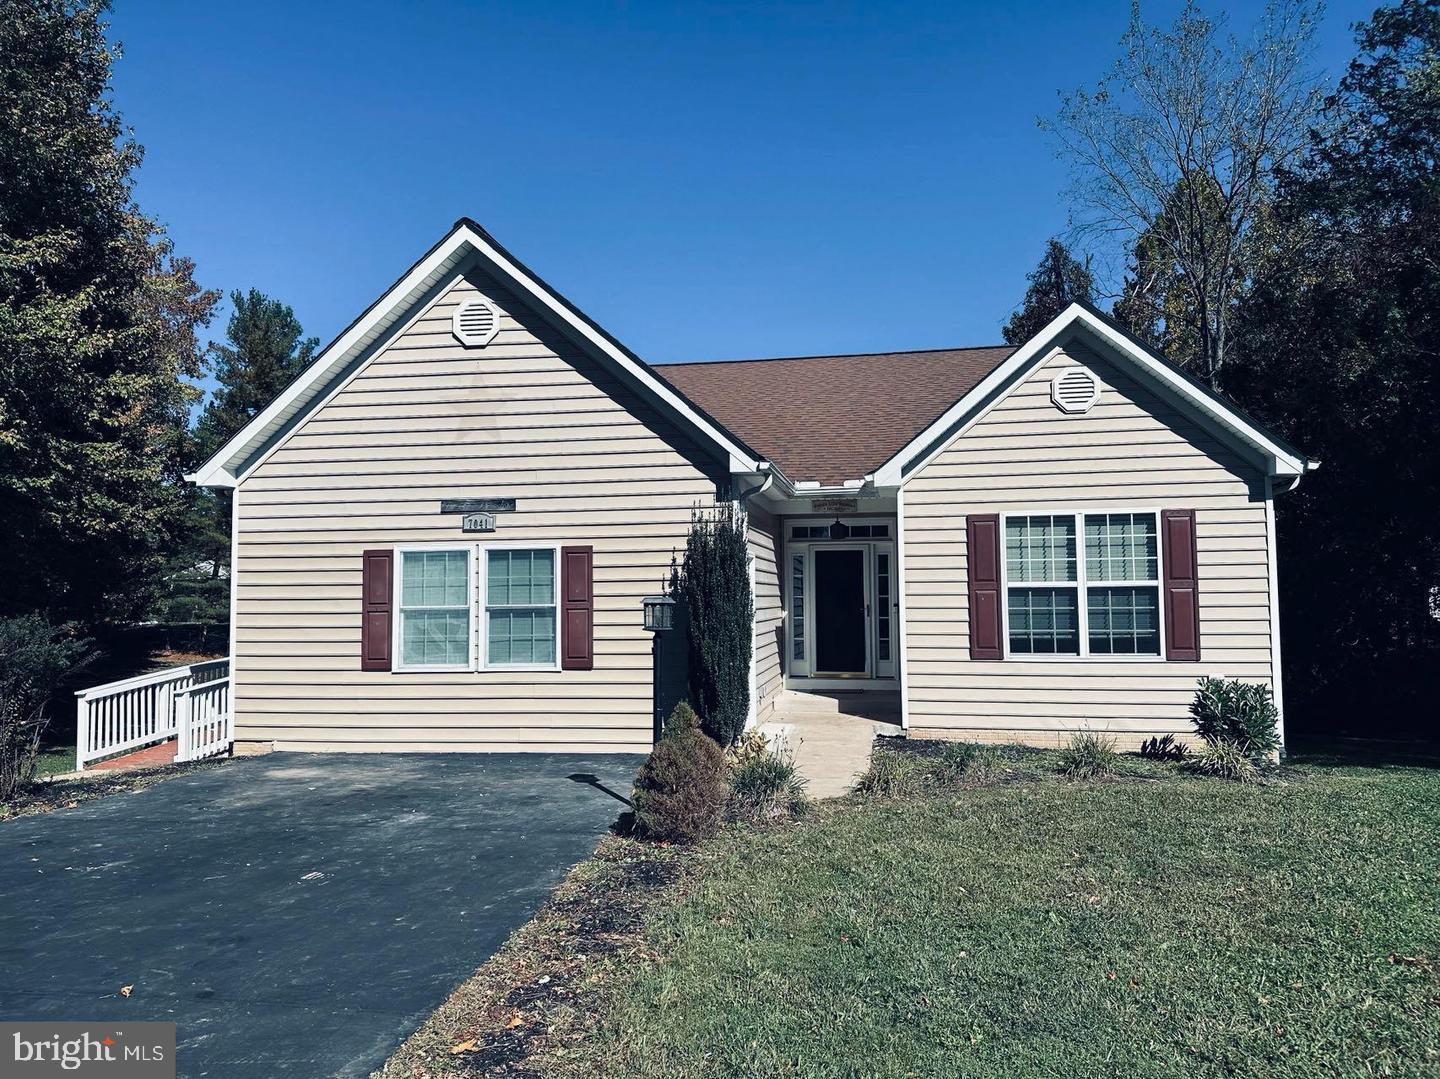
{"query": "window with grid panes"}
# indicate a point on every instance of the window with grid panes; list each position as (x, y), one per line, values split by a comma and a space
(1082, 584)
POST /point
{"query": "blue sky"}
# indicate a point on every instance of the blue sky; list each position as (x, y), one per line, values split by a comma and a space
(706, 181)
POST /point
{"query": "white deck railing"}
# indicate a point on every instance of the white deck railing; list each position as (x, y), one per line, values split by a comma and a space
(134, 712)
(202, 719)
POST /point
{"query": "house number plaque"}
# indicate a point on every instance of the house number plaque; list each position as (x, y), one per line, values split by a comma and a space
(478, 522)
(477, 505)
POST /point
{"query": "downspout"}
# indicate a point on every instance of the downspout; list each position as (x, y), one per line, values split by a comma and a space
(745, 496)
(743, 499)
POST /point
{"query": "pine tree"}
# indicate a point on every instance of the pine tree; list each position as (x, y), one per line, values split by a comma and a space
(1059, 280)
(264, 350)
(98, 320)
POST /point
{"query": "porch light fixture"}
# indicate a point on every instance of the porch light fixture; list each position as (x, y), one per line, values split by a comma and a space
(839, 530)
(659, 613)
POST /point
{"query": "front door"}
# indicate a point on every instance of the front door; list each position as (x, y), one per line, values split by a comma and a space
(840, 612)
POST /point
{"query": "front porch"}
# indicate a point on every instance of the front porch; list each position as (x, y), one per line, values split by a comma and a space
(841, 595)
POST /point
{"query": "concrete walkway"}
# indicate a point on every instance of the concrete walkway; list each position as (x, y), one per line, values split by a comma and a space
(830, 735)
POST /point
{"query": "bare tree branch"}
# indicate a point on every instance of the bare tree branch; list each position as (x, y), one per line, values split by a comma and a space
(1175, 151)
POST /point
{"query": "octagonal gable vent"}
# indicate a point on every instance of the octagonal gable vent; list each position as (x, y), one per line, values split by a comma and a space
(1075, 390)
(475, 323)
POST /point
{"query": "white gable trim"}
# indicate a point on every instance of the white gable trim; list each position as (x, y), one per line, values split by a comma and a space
(229, 465)
(256, 454)
(924, 447)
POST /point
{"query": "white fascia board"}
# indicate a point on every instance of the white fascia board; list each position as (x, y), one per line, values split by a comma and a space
(219, 471)
(450, 253)
(1286, 461)
(1280, 460)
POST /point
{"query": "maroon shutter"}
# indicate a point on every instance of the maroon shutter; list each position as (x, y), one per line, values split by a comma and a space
(982, 545)
(1182, 585)
(577, 592)
(377, 583)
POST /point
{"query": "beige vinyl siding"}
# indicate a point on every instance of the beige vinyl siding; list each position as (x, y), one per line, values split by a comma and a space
(763, 539)
(530, 417)
(1131, 451)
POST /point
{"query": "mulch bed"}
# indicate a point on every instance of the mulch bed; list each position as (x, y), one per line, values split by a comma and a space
(934, 747)
(541, 992)
(48, 795)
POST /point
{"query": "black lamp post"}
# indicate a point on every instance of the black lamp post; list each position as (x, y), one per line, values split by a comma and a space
(659, 620)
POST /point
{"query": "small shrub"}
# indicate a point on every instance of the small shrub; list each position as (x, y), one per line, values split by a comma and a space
(1089, 755)
(680, 791)
(1224, 760)
(1164, 749)
(1238, 713)
(893, 775)
(766, 788)
(34, 656)
(750, 746)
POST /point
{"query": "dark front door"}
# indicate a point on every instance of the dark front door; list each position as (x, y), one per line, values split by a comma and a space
(839, 612)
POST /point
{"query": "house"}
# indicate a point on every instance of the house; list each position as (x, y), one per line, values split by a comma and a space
(444, 529)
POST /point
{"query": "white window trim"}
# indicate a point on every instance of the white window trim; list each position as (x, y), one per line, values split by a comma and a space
(477, 586)
(397, 591)
(1080, 584)
(484, 604)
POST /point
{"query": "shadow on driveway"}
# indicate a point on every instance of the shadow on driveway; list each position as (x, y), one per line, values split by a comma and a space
(296, 913)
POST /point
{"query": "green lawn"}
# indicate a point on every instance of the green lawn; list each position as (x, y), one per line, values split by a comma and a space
(1041, 927)
(55, 760)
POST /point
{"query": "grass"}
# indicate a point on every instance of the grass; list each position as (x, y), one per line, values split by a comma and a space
(1149, 924)
(54, 760)
(1089, 756)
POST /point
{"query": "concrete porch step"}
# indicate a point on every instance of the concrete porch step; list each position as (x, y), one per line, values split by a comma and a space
(881, 705)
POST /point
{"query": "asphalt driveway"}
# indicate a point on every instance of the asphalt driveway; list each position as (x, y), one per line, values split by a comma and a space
(293, 914)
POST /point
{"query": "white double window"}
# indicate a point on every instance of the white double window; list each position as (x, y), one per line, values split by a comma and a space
(477, 607)
(1082, 584)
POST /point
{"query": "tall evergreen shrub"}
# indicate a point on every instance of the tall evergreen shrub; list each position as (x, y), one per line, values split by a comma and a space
(713, 583)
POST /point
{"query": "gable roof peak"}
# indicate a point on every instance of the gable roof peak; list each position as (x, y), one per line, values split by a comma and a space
(465, 244)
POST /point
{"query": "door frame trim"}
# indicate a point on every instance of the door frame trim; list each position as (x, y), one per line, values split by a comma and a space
(863, 549)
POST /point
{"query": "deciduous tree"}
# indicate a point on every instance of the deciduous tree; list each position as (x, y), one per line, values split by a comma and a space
(1173, 155)
(98, 320)
(1341, 343)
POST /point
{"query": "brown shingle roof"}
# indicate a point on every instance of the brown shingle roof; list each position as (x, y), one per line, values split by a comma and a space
(833, 418)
